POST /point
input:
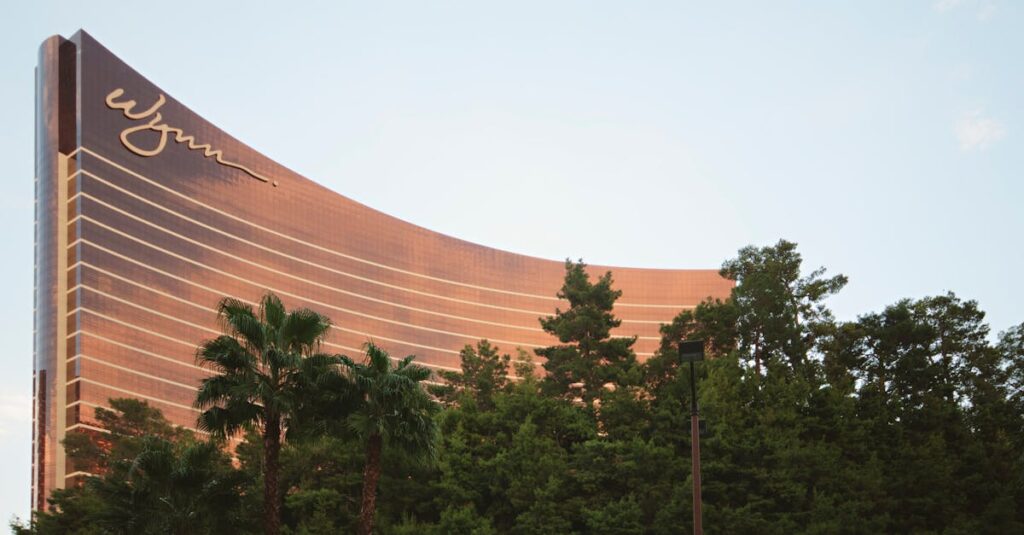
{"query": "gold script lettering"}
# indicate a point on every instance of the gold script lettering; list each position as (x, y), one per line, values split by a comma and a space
(155, 124)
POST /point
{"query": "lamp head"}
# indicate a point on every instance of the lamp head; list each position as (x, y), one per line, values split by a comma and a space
(691, 351)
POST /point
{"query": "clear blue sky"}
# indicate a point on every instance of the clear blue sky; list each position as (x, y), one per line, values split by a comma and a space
(884, 137)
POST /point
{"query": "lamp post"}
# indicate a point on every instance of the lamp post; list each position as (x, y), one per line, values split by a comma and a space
(691, 351)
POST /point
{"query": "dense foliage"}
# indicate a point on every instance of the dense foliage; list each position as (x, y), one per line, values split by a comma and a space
(156, 479)
(906, 420)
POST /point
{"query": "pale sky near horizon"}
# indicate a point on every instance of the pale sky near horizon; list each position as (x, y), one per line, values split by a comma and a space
(883, 137)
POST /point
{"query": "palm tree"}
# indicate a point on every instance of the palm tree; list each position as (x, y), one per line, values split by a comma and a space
(394, 411)
(266, 363)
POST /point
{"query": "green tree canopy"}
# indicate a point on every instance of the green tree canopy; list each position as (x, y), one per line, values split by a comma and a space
(778, 309)
(152, 478)
(589, 357)
(484, 372)
(908, 419)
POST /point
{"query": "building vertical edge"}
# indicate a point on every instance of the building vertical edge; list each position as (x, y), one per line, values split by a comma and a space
(56, 132)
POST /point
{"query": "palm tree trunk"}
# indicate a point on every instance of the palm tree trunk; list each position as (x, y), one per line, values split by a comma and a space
(271, 467)
(371, 475)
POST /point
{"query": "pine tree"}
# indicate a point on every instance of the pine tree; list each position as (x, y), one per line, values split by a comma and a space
(589, 357)
(778, 310)
(484, 373)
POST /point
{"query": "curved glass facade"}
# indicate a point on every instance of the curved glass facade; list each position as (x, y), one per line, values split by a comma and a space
(147, 215)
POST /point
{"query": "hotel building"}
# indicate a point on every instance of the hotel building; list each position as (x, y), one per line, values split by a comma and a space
(147, 215)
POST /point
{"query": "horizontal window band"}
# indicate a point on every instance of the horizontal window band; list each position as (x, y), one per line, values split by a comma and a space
(213, 311)
(133, 394)
(207, 370)
(141, 351)
(329, 287)
(282, 292)
(299, 279)
(193, 345)
(147, 397)
(134, 372)
(271, 288)
(335, 288)
(158, 292)
(102, 430)
(313, 264)
(298, 240)
(331, 251)
(189, 365)
(86, 426)
(216, 332)
(338, 272)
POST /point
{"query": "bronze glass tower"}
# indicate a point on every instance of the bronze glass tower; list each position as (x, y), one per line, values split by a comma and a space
(146, 215)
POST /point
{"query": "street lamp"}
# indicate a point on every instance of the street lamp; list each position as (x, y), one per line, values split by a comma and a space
(691, 351)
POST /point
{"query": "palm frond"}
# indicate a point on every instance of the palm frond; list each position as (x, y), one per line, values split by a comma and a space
(414, 372)
(394, 406)
(224, 421)
(267, 366)
(302, 330)
(238, 319)
(217, 389)
(282, 362)
(272, 310)
(377, 358)
(321, 365)
(224, 354)
(346, 361)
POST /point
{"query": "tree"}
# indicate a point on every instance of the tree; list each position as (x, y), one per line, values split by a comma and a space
(589, 356)
(621, 517)
(128, 422)
(182, 489)
(777, 309)
(463, 521)
(1011, 349)
(906, 420)
(155, 479)
(266, 363)
(323, 475)
(774, 459)
(394, 411)
(484, 372)
(933, 399)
